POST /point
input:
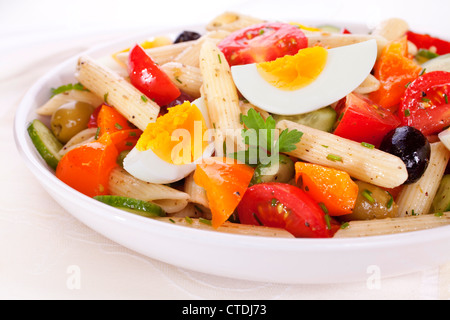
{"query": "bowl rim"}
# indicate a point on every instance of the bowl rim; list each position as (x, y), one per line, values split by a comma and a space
(46, 176)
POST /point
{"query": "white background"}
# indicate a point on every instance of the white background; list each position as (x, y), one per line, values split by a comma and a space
(40, 243)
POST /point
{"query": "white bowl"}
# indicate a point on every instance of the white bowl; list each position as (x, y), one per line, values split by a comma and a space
(289, 261)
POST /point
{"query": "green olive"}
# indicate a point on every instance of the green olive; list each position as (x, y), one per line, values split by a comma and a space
(372, 203)
(70, 119)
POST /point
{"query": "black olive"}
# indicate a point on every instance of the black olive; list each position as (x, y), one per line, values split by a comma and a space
(187, 36)
(410, 145)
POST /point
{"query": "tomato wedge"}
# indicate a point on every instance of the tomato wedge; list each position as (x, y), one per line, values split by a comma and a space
(425, 41)
(362, 120)
(284, 206)
(110, 120)
(262, 42)
(425, 105)
(148, 78)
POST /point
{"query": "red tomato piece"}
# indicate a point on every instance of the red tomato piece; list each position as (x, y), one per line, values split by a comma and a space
(148, 77)
(425, 41)
(262, 42)
(284, 206)
(361, 120)
(425, 105)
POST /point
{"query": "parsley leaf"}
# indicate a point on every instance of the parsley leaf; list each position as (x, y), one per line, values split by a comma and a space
(259, 136)
(68, 87)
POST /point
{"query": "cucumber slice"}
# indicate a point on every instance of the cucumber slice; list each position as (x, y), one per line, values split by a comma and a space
(283, 171)
(139, 207)
(322, 119)
(45, 142)
(441, 202)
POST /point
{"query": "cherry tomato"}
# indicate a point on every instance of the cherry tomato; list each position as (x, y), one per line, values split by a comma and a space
(148, 78)
(425, 41)
(262, 42)
(284, 206)
(425, 105)
(361, 120)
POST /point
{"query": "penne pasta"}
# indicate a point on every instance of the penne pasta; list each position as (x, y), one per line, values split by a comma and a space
(393, 225)
(60, 99)
(231, 21)
(369, 85)
(369, 165)
(187, 78)
(391, 29)
(80, 138)
(160, 55)
(221, 96)
(417, 198)
(123, 184)
(116, 91)
(228, 227)
(196, 193)
(190, 55)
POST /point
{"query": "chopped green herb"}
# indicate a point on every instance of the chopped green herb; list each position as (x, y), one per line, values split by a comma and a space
(97, 133)
(68, 87)
(220, 59)
(205, 221)
(426, 100)
(427, 54)
(328, 221)
(345, 225)
(407, 113)
(188, 219)
(118, 126)
(105, 97)
(368, 195)
(274, 202)
(390, 201)
(178, 79)
(367, 145)
(257, 219)
(423, 72)
(335, 158)
(325, 146)
(408, 84)
(446, 98)
(144, 98)
(439, 214)
(323, 207)
(171, 220)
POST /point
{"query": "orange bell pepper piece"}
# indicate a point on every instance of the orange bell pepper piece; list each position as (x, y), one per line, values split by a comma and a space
(394, 69)
(225, 182)
(87, 167)
(110, 120)
(331, 187)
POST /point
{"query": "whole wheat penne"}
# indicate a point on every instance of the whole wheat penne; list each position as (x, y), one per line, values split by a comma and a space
(48, 108)
(196, 193)
(228, 227)
(366, 164)
(392, 225)
(187, 78)
(123, 184)
(391, 29)
(190, 55)
(220, 94)
(116, 91)
(370, 84)
(417, 198)
(160, 55)
(231, 21)
(80, 138)
(334, 40)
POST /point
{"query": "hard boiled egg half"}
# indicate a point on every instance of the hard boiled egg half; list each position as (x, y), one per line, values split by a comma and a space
(312, 79)
(169, 148)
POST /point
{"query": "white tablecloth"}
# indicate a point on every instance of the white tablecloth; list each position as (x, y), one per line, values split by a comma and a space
(41, 244)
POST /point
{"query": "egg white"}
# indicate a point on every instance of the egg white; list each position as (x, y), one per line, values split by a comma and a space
(345, 69)
(147, 166)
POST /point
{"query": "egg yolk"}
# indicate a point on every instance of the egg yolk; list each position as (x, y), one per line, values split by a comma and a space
(177, 136)
(294, 72)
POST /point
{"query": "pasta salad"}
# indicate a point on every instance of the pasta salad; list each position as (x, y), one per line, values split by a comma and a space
(264, 128)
